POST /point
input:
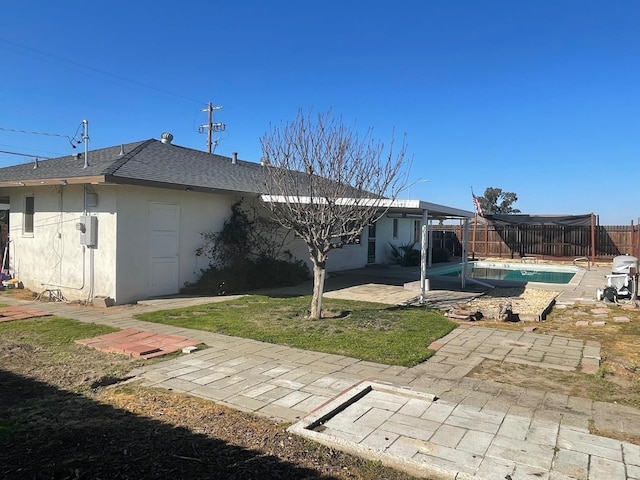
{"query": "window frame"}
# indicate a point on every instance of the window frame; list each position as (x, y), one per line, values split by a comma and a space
(28, 215)
(417, 231)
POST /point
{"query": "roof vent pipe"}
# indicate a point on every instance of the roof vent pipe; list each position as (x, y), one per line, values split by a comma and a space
(166, 137)
(121, 150)
(234, 158)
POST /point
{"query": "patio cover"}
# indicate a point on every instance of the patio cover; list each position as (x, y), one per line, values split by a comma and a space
(418, 209)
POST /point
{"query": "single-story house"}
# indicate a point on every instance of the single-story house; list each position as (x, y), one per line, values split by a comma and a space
(125, 222)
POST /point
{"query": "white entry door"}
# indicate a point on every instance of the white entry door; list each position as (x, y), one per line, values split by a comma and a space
(164, 224)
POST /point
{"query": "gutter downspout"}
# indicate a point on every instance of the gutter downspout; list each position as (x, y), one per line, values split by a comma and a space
(91, 249)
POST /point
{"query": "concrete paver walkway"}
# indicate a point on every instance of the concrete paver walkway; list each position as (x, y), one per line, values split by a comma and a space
(547, 351)
(485, 439)
(430, 419)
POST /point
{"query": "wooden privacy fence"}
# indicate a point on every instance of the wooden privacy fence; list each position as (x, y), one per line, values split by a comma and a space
(558, 241)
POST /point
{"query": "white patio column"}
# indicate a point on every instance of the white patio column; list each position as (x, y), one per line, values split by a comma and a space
(425, 255)
(430, 241)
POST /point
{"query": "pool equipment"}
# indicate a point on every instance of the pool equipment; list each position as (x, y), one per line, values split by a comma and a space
(623, 280)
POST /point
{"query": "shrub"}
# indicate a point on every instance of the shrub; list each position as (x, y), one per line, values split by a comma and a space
(405, 255)
(269, 272)
(249, 275)
(246, 254)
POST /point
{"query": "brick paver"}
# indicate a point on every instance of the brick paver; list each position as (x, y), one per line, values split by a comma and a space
(8, 314)
(138, 343)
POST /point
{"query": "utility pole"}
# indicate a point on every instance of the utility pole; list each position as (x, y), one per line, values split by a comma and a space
(211, 127)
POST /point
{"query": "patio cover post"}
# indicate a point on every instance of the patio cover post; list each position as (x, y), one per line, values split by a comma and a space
(430, 242)
(424, 253)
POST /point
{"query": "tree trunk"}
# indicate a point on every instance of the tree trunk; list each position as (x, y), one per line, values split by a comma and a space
(318, 289)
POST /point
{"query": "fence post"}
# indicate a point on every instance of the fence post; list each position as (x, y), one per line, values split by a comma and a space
(593, 239)
(473, 241)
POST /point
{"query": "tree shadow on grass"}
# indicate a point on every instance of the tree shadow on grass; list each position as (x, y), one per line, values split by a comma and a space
(48, 433)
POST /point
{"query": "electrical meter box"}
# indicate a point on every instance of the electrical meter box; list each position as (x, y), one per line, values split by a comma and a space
(88, 228)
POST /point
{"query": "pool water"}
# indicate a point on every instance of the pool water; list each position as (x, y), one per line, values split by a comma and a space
(513, 272)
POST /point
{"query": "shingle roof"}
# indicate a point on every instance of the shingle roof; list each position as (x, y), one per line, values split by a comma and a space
(146, 162)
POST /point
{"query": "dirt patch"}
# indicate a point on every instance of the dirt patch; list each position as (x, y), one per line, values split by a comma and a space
(74, 369)
(54, 425)
(19, 293)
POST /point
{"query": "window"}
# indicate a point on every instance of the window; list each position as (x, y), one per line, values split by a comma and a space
(395, 228)
(27, 220)
(417, 231)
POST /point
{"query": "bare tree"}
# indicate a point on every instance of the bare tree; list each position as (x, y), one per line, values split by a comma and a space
(327, 183)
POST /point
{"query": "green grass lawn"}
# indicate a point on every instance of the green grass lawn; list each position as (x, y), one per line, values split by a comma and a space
(55, 335)
(368, 331)
(51, 332)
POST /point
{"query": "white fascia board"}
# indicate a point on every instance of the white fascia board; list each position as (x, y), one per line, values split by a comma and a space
(290, 199)
(445, 210)
(365, 202)
(432, 208)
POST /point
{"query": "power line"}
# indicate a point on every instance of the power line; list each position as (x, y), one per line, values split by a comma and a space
(35, 133)
(23, 154)
(47, 134)
(101, 72)
(47, 153)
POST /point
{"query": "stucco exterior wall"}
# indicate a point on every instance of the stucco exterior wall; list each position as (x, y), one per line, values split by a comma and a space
(356, 256)
(384, 234)
(52, 257)
(118, 266)
(348, 257)
(345, 258)
(198, 212)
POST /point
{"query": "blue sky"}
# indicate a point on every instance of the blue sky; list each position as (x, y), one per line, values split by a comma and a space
(538, 98)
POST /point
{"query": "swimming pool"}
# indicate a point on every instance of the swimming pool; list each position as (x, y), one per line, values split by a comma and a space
(515, 272)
